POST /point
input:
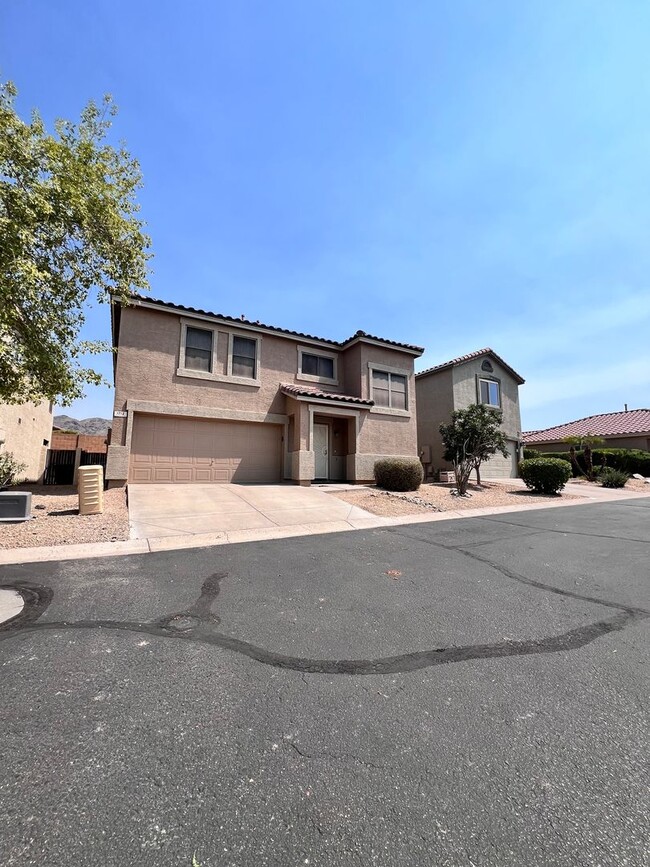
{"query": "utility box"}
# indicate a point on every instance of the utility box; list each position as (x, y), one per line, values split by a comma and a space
(15, 505)
(90, 486)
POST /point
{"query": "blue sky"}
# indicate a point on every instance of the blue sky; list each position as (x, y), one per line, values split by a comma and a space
(451, 174)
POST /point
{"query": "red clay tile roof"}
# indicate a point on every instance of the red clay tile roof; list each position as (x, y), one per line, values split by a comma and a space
(418, 350)
(608, 424)
(469, 357)
(309, 391)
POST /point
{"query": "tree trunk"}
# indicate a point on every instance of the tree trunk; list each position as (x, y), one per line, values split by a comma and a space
(478, 475)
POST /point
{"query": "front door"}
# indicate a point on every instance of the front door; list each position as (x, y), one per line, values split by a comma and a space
(321, 451)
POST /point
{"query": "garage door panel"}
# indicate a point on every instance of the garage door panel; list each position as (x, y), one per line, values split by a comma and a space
(186, 450)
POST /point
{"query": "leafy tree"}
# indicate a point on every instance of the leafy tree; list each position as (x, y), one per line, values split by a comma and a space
(69, 229)
(586, 444)
(472, 436)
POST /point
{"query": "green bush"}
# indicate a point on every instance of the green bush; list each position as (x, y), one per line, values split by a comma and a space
(629, 460)
(545, 475)
(399, 474)
(611, 478)
(10, 470)
(529, 454)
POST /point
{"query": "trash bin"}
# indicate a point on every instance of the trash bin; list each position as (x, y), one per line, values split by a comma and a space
(90, 486)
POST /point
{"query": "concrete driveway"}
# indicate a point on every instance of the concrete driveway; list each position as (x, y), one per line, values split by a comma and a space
(180, 510)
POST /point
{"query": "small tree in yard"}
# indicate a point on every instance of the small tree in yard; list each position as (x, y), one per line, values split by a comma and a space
(69, 230)
(586, 444)
(472, 436)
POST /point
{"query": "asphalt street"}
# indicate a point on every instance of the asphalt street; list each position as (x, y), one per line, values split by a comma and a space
(469, 692)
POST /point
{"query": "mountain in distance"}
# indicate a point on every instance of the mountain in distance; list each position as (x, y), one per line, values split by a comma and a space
(91, 426)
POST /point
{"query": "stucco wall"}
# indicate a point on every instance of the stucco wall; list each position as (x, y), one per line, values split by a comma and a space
(22, 430)
(435, 397)
(465, 392)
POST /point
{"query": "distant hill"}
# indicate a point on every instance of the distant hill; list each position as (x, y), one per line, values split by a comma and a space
(92, 426)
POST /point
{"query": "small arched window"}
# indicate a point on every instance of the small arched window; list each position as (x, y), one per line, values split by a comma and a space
(487, 365)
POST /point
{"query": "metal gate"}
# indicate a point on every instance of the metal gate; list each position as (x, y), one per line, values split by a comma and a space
(60, 465)
(59, 469)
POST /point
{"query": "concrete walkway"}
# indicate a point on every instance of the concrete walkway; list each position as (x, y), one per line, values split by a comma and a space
(157, 511)
(11, 604)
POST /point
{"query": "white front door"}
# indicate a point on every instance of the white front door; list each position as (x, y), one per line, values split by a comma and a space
(321, 451)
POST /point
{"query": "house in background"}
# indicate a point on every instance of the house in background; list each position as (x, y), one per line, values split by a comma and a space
(26, 431)
(629, 429)
(479, 377)
(202, 397)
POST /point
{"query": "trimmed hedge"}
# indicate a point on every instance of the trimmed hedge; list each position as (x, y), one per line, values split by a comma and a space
(529, 454)
(628, 460)
(398, 474)
(545, 475)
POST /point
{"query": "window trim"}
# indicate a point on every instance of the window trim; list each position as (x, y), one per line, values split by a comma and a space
(497, 382)
(188, 371)
(397, 371)
(309, 377)
(244, 380)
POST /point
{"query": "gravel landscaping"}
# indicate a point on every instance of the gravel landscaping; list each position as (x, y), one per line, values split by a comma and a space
(56, 519)
(441, 499)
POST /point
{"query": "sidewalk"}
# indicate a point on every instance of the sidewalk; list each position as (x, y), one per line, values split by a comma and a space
(13, 556)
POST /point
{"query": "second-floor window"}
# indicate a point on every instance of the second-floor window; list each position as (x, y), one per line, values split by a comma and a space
(490, 392)
(389, 389)
(198, 349)
(317, 365)
(244, 351)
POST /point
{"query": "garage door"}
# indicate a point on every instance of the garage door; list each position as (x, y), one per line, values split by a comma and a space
(190, 450)
(499, 467)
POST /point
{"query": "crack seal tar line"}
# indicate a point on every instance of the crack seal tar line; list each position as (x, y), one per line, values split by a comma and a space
(199, 624)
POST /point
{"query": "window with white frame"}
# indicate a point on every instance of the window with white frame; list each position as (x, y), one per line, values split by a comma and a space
(317, 366)
(243, 361)
(389, 389)
(198, 349)
(490, 392)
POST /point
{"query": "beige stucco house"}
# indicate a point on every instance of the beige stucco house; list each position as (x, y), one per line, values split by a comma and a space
(25, 431)
(627, 429)
(202, 397)
(479, 377)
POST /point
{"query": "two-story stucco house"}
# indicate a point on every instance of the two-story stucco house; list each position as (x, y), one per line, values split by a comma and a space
(202, 397)
(479, 377)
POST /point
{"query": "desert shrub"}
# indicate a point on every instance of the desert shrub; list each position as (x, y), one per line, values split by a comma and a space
(545, 475)
(529, 454)
(399, 474)
(10, 470)
(611, 478)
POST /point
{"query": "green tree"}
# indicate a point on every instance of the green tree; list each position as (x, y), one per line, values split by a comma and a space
(69, 232)
(585, 443)
(472, 436)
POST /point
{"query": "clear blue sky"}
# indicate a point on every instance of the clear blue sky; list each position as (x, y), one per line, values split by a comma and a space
(452, 174)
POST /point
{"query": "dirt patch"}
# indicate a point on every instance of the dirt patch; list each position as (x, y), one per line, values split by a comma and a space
(56, 521)
(441, 497)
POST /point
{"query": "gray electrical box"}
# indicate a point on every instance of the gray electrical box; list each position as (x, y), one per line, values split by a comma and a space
(15, 505)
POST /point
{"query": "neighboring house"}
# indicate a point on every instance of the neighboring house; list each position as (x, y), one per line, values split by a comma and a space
(479, 377)
(202, 397)
(25, 431)
(629, 429)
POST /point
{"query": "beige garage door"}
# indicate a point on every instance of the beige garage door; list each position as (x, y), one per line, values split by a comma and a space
(191, 450)
(499, 467)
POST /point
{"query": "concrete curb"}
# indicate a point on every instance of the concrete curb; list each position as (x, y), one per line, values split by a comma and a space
(13, 556)
(11, 604)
